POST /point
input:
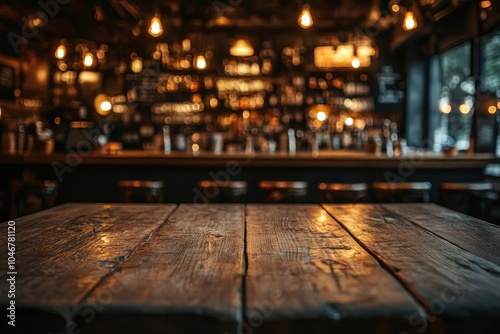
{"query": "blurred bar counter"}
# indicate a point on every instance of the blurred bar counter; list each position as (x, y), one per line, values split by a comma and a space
(93, 177)
(334, 159)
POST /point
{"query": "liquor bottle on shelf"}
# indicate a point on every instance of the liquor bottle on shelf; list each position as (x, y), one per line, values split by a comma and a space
(268, 58)
(346, 138)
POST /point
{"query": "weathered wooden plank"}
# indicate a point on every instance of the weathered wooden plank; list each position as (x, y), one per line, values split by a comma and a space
(305, 273)
(64, 252)
(187, 278)
(473, 235)
(456, 287)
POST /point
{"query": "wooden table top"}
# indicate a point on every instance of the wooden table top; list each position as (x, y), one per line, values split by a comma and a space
(255, 268)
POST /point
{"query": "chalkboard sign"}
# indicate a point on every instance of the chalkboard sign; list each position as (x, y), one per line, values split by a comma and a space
(389, 94)
(389, 87)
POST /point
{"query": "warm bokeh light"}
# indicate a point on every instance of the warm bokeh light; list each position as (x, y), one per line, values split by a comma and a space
(201, 62)
(102, 104)
(213, 102)
(155, 28)
(241, 48)
(445, 108)
(349, 121)
(355, 62)
(492, 109)
(60, 52)
(410, 22)
(305, 18)
(321, 116)
(222, 21)
(485, 4)
(105, 105)
(395, 8)
(88, 59)
(464, 109)
(136, 65)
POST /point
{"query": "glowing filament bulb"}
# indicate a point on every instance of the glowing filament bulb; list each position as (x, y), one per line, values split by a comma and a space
(410, 22)
(305, 18)
(155, 28)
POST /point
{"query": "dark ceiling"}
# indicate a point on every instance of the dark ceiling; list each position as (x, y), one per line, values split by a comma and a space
(112, 21)
(122, 23)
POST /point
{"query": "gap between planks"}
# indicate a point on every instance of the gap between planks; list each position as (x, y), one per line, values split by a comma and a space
(403, 284)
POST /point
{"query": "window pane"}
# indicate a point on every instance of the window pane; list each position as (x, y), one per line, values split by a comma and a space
(455, 102)
(491, 61)
(489, 96)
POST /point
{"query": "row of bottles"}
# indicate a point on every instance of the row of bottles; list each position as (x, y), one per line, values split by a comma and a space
(251, 133)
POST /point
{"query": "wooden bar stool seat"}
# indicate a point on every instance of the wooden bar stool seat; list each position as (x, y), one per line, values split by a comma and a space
(283, 191)
(30, 196)
(472, 198)
(140, 191)
(401, 192)
(342, 192)
(223, 191)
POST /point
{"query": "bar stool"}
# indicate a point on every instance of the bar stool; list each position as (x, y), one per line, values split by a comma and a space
(223, 191)
(138, 191)
(342, 192)
(401, 192)
(30, 196)
(472, 198)
(283, 191)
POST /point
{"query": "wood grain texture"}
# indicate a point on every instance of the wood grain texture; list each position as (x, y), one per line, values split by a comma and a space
(191, 269)
(303, 265)
(448, 280)
(64, 252)
(471, 234)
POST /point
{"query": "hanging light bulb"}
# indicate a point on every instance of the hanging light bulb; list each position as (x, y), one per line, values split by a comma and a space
(98, 13)
(88, 59)
(305, 19)
(201, 62)
(409, 22)
(60, 52)
(155, 28)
